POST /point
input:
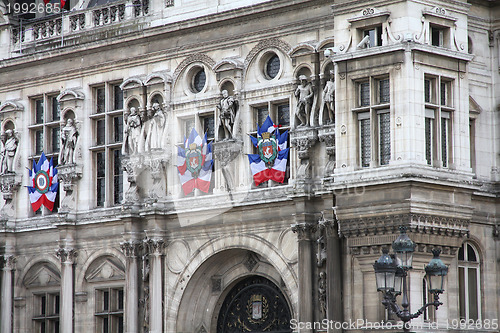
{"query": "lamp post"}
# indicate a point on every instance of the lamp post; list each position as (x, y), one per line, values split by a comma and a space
(391, 273)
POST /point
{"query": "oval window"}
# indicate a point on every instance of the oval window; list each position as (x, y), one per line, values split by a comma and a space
(199, 80)
(273, 66)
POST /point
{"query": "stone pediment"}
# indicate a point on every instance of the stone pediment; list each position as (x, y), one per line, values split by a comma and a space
(10, 106)
(474, 107)
(70, 95)
(42, 275)
(228, 64)
(133, 82)
(369, 13)
(302, 49)
(158, 78)
(105, 269)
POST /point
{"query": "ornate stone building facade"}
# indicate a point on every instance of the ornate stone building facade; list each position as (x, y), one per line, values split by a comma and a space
(393, 115)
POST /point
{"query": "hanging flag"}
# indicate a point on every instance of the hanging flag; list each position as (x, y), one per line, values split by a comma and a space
(270, 162)
(44, 183)
(194, 163)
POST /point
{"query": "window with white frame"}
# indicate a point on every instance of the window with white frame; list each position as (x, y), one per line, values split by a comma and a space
(374, 35)
(109, 310)
(439, 35)
(46, 312)
(438, 98)
(45, 133)
(374, 116)
(469, 282)
(107, 128)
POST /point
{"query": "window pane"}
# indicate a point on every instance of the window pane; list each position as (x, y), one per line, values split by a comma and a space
(118, 128)
(384, 91)
(105, 300)
(471, 254)
(262, 114)
(284, 115)
(365, 142)
(101, 183)
(428, 140)
(120, 299)
(56, 304)
(100, 100)
(101, 132)
(118, 98)
(38, 142)
(105, 324)
(39, 111)
(461, 253)
(273, 66)
(385, 138)
(444, 141)
(364, 93)
(55, 139)
(43, 301)
(188, 126)
(42, 327)
(199, 81)
(56, 109)
(461, 291)
(427, 90)
(117, 176)
(208, 126)
(473, 300)
(443, 93)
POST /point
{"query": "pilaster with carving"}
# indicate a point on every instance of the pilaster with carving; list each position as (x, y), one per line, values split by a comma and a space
(303, 139)
(8, 265)
(326, 134)
(132, 165)
(132, 250)
(155, 248)
(9, 184)
(67, 257)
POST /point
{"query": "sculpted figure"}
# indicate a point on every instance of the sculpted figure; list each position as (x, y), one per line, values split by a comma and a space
(145, 117)
(155, 133)
(69, 137)
(132, 132)
(322, 292)
(329, 98)
(227, 113)
(9, 148)
(304, 94)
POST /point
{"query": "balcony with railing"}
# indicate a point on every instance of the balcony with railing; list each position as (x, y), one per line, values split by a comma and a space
(79, 26)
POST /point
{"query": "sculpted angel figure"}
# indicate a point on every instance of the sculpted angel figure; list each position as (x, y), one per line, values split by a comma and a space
(227, 112)
(69, 137)
(10, 142)
(304, 94)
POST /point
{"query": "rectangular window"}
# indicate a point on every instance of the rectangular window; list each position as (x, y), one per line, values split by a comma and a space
(427, 90)
(118, 129)
(117, 176)
(100, 132)
(208, 123)
(109, 310)
(364, 138)
(189, 124)
(262, 113)
(39, 111)
(444, 137)
(384, 137)
(445, 93)
(384, 89)
(56, 109)
(38, 142)
(101, 178)
(100, 100)
(472, 143)
(364, 94)
(284, 115)
(46, 313)
(117, 98)
(56, 138)
(375, 36)
(429, 124)
(437, 36)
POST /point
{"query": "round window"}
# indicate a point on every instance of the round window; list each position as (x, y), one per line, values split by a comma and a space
(199, 80)
(273, 66)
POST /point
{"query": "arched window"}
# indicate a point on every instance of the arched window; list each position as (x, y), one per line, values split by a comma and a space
(469, 283)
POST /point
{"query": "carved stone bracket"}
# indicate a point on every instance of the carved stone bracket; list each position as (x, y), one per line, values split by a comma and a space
(227, 151)
(131, 249)
(303, 139)
(304, 231)
(132, 165)
(67, 256)
(8, 262)
(9, 184)
(68, 175)
(326, 134)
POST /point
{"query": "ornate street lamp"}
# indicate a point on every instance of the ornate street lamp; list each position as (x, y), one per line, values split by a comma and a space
(392, 272)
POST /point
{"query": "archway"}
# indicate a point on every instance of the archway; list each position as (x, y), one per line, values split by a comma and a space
(254, 304)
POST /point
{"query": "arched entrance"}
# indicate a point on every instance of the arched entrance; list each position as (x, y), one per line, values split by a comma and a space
(254, 304)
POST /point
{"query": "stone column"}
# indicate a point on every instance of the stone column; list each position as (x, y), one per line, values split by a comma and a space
(306, 302)
(155, 249)
(6, 305)
(67, 257)
(333, 273)
(131, 250)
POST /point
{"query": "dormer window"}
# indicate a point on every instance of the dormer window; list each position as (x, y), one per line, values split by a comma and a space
(374, 36)
(439, 36)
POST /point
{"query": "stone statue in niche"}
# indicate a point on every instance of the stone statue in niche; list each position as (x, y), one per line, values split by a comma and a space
(132, 132)
(227, 107)
(69, 137)
(10, 142)
(305, 96)
(329, 99)
(154, 139)
(145, 117)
